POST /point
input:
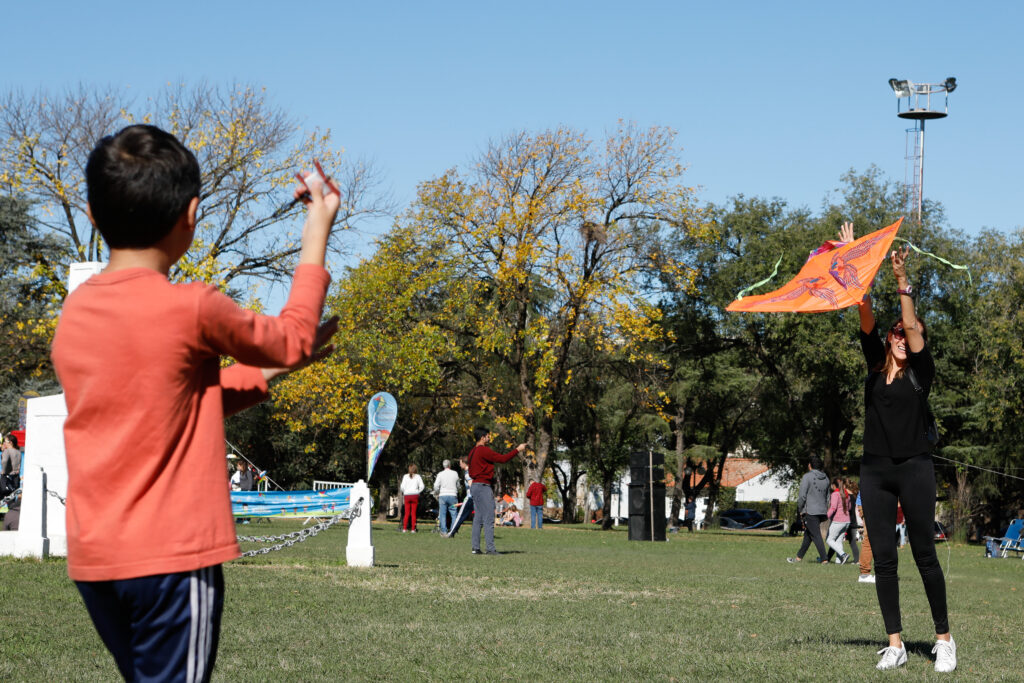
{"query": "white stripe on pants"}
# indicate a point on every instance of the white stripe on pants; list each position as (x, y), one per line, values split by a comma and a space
(200, 639)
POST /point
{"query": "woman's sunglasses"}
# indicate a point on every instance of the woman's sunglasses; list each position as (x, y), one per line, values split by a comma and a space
(898, 331)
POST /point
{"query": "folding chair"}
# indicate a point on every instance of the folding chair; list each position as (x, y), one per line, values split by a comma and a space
(1015, 546)
(1010, 541)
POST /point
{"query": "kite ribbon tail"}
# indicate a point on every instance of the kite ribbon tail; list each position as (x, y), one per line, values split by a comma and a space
(765, 281)
(937, 258)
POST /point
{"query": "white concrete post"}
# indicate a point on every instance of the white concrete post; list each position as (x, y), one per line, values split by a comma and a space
(359, 552)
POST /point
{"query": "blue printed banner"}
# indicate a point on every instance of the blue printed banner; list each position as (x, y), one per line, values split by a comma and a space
(290, 503)
(381, 413)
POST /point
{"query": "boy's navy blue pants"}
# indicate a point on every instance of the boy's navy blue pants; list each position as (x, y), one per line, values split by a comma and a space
(159, 628)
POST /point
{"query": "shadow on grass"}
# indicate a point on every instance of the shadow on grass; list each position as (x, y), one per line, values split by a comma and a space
(508, 552)
(915, 647)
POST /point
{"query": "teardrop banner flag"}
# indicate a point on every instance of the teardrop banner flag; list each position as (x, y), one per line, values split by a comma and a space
(381, 412)
(836, 275)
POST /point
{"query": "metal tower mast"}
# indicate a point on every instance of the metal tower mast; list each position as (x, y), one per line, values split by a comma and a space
(918, 108)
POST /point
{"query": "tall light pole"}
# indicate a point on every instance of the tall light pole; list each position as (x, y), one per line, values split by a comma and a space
(918, 108)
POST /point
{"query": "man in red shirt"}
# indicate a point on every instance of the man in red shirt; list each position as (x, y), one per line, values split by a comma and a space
(536, 495)
(481, 471)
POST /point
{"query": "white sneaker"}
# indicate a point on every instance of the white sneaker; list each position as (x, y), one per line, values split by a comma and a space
(866, 578)
(945, 655)
(892, 657)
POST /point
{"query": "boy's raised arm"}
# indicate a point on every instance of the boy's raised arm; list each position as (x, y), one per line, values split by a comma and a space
(286, 341)
(322, 209)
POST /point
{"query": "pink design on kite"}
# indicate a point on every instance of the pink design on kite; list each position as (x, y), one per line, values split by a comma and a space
(842, 268)
(815, 286)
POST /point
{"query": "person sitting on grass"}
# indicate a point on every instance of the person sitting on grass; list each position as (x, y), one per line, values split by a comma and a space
(139, 359)
(512, 517)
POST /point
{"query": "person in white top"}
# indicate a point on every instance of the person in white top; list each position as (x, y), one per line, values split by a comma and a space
(446, 488)
(411, 487)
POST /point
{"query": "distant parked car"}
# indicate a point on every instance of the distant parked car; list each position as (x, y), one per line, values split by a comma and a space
(769, 525)
(739, 518)
(940, 532)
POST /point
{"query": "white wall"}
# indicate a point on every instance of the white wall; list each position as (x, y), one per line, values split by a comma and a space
(765, 487)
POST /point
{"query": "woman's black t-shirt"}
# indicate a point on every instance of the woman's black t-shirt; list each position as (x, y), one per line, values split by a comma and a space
(894, 420)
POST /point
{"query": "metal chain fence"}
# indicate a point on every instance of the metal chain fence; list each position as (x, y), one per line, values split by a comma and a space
(13, 495)
(288, 540)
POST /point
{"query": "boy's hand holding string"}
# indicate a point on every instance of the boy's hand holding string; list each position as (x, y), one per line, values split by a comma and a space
(322, 201)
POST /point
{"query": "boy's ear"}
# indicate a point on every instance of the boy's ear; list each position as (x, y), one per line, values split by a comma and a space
(88, 212)
(190, 213)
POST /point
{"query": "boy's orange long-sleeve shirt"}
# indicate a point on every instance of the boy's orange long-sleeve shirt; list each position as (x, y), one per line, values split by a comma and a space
(139, 361)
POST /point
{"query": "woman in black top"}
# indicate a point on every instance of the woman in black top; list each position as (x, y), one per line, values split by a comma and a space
(897, 465)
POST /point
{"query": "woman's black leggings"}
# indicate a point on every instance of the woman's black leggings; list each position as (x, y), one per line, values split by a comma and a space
(910, 482)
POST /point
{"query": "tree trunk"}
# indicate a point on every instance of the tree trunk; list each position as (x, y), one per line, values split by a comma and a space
(961, 506)
(534, 463)
(566, 483)
(385, 498)
(715, 485)
(606, 486)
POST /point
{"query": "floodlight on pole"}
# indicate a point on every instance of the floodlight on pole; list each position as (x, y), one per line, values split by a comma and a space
(901, 88)
(915, 103)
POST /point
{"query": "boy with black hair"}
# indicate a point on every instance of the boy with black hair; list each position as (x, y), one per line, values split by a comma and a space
(148, 510)
(481, 471)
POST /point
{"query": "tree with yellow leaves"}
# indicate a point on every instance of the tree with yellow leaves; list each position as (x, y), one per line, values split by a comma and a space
(545, 241)
(388, 339)
(248, 151)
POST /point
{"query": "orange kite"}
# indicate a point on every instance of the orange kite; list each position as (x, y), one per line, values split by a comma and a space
(837, 275)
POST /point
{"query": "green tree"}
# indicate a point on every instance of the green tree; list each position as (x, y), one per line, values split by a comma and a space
(29, 297)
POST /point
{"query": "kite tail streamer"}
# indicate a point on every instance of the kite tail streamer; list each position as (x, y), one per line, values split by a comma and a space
(937, 258)
(765, 281)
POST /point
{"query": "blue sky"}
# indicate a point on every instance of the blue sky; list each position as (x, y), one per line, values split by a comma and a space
(766, 101)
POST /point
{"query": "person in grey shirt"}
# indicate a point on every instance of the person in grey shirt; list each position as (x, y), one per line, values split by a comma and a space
(10, 461)
(812, 506)
(446, 488)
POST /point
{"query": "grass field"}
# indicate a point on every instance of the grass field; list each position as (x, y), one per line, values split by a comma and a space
(564, 603)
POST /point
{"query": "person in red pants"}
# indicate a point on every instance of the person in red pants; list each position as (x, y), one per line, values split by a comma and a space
(411, 487)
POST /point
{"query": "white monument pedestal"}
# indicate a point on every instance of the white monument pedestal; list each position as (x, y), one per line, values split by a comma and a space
(359, 552)
(41, 529)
